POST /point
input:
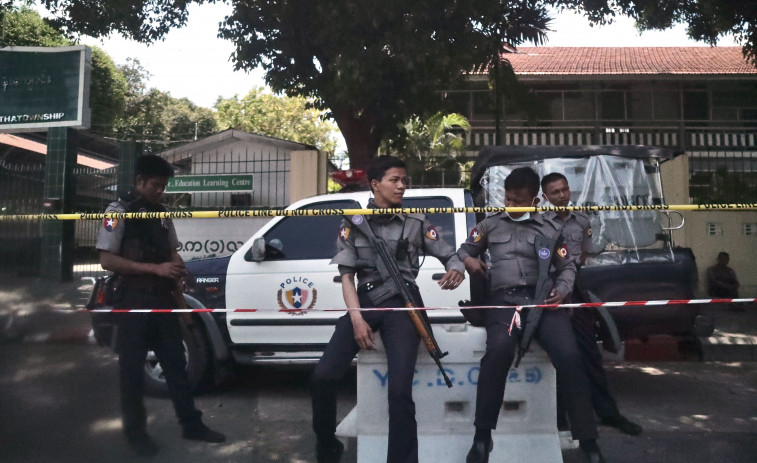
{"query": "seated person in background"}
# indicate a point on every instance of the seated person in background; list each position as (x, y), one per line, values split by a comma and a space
(722, 281)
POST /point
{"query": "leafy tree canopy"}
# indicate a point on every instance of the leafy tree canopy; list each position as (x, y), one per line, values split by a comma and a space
(432, 148)
(372, 64)
(289, 118)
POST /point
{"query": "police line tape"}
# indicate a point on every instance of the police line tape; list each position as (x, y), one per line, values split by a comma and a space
(233, 214)
(578, 305)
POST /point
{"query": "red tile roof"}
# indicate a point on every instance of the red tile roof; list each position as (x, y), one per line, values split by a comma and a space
(577, 61)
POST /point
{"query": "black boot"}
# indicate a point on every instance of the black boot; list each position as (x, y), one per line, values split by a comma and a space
(482, 446)
(622, 424)
(198, 431)
(328, 450)
(591, 451)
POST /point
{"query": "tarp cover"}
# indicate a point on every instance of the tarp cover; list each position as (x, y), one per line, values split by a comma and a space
(599, 180)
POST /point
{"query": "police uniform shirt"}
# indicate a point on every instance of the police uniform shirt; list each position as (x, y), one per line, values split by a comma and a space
(355, 253)
(112, 231)
(511, 249)
(576, 230)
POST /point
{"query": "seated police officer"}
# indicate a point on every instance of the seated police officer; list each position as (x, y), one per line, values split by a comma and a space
(406, 236)
(510, 239)
(142, 253)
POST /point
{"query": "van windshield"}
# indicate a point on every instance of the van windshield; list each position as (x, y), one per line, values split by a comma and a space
(601, 180)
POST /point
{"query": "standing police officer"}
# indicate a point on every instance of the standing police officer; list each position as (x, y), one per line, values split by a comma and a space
(406, 236)
(510, 237)
(142, 254)
(577, 235)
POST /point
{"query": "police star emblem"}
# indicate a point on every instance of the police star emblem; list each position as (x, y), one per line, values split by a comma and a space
(110, 223)
(475, 236)
(431, 233)
(344, 232)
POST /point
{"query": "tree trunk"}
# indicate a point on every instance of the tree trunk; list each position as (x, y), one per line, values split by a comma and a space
(362, 135)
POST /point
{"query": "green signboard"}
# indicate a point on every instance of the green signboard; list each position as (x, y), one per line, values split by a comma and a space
(209, 183)
(43, 87)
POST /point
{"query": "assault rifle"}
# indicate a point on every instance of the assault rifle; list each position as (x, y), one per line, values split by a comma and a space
(387, 268)
(544, 248)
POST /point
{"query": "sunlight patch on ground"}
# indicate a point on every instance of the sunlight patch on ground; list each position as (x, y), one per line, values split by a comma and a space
(106, 425)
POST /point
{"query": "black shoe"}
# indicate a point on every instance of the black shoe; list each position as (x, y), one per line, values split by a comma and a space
(591, 452)
(142, 444)
(622, 424)
(198, 431)
(329, 451)
(479, 451)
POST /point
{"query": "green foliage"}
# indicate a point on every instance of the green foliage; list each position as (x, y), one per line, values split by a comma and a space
(108, 91)
(161, 121)
(433, 149)
(372, 64)
(24, 27)
(290, 118)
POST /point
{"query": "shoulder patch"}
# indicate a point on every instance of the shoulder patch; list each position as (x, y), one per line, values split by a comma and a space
(110, 223)
(344, 232)
(475, 236)
(431, 233)
(562, 251)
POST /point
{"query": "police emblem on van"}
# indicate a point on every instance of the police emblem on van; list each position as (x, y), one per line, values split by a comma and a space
(296, 295)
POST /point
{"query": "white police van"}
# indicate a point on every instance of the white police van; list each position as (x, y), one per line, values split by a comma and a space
(286, 295)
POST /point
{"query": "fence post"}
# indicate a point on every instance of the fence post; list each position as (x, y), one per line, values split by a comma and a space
(307, 174)
(59, 191)
(128, 152)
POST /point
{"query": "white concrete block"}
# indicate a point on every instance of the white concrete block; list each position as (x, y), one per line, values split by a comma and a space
(526, 425)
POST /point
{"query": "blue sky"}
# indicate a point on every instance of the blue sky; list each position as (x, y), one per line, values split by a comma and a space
(192, 62)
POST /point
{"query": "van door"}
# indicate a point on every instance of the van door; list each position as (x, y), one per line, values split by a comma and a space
(294, 279)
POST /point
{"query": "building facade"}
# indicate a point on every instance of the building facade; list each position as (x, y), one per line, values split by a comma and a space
(701, 101)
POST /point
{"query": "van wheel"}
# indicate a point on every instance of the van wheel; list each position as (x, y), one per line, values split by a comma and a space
(196, 353)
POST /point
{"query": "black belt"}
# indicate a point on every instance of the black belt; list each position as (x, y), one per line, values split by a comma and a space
(518, 290)
(371, 285)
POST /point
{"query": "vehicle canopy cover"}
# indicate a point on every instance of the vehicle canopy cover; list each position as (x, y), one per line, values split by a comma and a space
(598, 175)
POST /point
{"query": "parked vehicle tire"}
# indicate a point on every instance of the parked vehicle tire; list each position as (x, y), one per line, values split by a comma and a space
(196, 353)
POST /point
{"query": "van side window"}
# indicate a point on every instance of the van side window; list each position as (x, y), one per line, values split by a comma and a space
(310, 237)
(444, 223)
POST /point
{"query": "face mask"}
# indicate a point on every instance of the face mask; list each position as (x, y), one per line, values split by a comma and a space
(525, 216)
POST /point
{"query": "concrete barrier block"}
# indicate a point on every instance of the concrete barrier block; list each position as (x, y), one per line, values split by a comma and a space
(445, 415)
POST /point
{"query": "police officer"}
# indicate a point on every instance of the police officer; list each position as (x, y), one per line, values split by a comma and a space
(142, 254)
(510, 237)
(577, 233)
(406, 236)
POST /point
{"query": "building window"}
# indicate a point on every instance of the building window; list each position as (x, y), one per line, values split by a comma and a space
(612, 106)
(714, 229)
(696, 106)
(667, 106)
(549, 106)
(579, 106)
(483, 106)
(639, 106)
(458, 102)
(241, 199)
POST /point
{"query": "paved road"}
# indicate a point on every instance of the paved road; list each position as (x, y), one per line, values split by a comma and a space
(58, 404)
